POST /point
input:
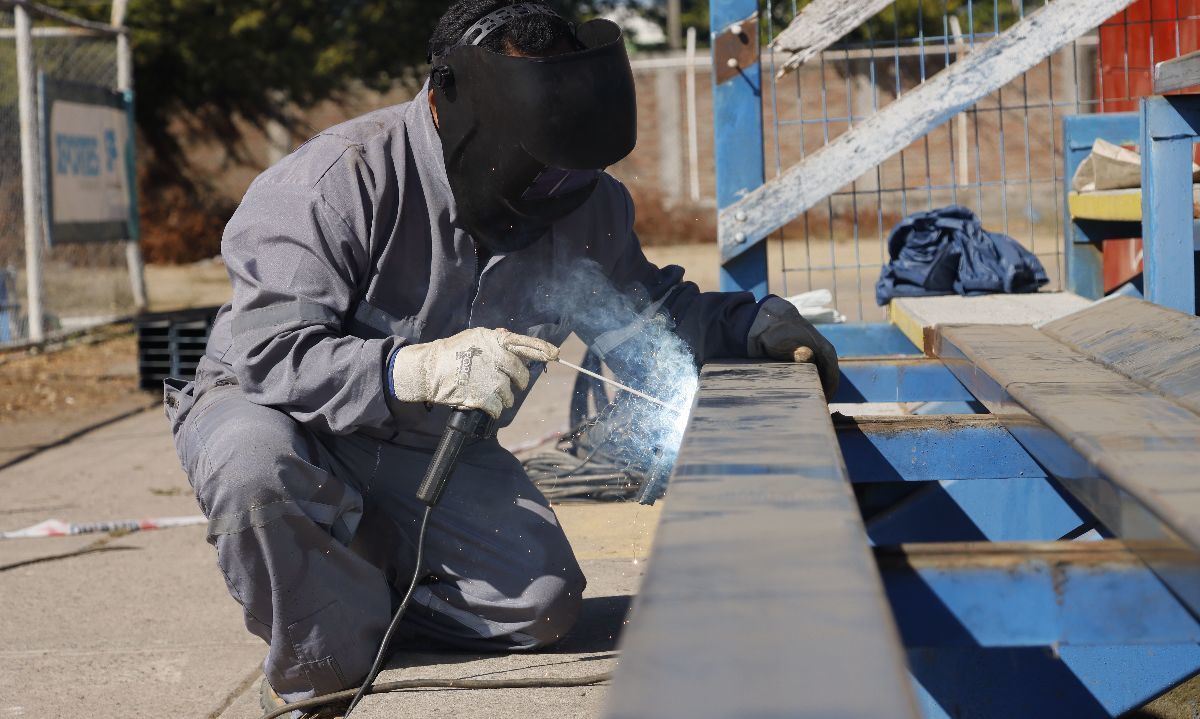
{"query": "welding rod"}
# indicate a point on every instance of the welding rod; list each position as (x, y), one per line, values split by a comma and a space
(618, 385)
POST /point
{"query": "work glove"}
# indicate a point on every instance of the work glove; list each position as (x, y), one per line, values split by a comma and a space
(779, 330)
(474, 369)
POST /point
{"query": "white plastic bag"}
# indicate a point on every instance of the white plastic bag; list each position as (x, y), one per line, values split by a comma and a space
(817, 307)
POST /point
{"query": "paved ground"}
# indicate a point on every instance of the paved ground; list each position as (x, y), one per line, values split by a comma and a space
(141, 625)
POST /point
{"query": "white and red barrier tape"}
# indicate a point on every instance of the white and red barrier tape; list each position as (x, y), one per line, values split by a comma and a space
(59, 528)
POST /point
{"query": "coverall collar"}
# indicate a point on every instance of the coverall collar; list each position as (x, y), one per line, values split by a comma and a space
(433, 164)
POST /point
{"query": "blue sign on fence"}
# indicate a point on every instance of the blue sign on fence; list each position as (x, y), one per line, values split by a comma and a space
(89, 178)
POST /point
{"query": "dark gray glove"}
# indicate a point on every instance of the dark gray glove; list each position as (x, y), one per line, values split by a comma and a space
(779, 330)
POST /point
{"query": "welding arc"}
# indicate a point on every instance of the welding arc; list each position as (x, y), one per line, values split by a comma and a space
(385, 687)
(618, 385)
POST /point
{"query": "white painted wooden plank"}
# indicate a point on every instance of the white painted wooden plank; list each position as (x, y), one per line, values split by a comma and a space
(821, 24)
(1177, 74)
(991, 66)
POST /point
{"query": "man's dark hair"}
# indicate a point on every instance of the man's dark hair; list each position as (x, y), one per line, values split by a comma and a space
(535, 35)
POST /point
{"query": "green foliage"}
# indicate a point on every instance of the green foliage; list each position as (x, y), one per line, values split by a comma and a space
(206, 69)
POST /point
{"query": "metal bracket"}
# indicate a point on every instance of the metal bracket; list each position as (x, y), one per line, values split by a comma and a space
(735, 49)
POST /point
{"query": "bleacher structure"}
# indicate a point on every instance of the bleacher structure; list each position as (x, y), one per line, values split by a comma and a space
(998, 514)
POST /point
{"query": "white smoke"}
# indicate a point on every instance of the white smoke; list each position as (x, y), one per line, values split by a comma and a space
(650, 358)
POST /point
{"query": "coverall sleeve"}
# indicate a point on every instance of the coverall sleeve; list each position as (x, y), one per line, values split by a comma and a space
(713, 324)
(295, 262)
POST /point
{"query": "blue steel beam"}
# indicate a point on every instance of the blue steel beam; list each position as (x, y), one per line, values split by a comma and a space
(930, 448)
(915, 380)
(1031, 682)
(868, 339)
(995, 510)
(1030, 594)
(1020, 630)
(977, 482)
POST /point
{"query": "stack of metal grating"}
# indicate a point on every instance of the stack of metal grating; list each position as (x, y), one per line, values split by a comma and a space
(170, 344)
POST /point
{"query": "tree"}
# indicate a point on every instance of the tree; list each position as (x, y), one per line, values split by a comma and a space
(206, 69)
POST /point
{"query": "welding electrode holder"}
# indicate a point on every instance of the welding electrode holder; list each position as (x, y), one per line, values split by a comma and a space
(464, 424)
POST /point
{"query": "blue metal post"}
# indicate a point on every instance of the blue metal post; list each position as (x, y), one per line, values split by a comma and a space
(1169, 129)
(737, 112)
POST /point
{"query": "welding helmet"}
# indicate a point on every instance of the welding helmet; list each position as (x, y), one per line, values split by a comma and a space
(526, 139)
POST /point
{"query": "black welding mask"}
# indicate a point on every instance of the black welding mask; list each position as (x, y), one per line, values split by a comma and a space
(526, 139)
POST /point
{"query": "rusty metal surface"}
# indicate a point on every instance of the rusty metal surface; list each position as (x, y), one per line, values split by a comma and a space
(762, 598)
(1155, 346)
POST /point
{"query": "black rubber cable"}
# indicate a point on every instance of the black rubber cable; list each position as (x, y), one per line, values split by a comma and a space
(381, 655)
(385, 687)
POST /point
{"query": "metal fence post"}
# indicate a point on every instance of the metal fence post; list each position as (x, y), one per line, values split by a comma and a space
(133, 248)
(693, 131)
(30, 176)
(738, 126)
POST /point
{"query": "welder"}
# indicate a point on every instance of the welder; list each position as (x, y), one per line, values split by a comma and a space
(382, 275)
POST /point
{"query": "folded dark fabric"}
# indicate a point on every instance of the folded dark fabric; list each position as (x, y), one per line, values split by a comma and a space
(947, 251)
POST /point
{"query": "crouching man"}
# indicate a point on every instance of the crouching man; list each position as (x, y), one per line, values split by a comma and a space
(382, 275)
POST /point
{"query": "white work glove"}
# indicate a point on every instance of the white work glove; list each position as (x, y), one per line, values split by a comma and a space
(474, 369)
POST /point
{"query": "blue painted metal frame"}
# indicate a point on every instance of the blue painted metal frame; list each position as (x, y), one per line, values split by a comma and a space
(1085, 268)
(1170, 126)
(738, 124)
(869, 339)
(932, 450)
(908, 380)
(967, 479)
(1032, 595)
(1033, 636)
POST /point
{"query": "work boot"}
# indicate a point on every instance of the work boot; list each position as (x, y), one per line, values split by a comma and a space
(271, 701)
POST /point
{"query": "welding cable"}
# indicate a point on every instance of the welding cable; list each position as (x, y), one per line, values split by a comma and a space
(387, 687)
(356, 695)
(391, 630)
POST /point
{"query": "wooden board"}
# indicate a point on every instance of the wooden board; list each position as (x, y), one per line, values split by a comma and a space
(1155, 346)
(1178, 73)
(992, 65)
(919, 317)
(762, 598)
(1106, 205)
(1143, 443)
(819, 25)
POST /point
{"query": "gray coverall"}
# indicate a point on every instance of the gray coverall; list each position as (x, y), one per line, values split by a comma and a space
(304, 464)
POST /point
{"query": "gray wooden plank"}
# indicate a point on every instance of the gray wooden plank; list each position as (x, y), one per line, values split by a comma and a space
(1143, 443)
(1177, 73)
(762, 598)
(819, 25)
(991, 66)
(1153, 345)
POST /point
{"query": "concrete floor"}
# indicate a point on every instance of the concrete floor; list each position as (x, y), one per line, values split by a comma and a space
(141, 625)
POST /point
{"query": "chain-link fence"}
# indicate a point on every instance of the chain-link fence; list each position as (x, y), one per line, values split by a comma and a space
(1001, 158)
(83, 283)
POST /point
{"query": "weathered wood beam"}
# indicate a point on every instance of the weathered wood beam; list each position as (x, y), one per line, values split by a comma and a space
(1177, 74)
(820, 25)
(991, 66)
